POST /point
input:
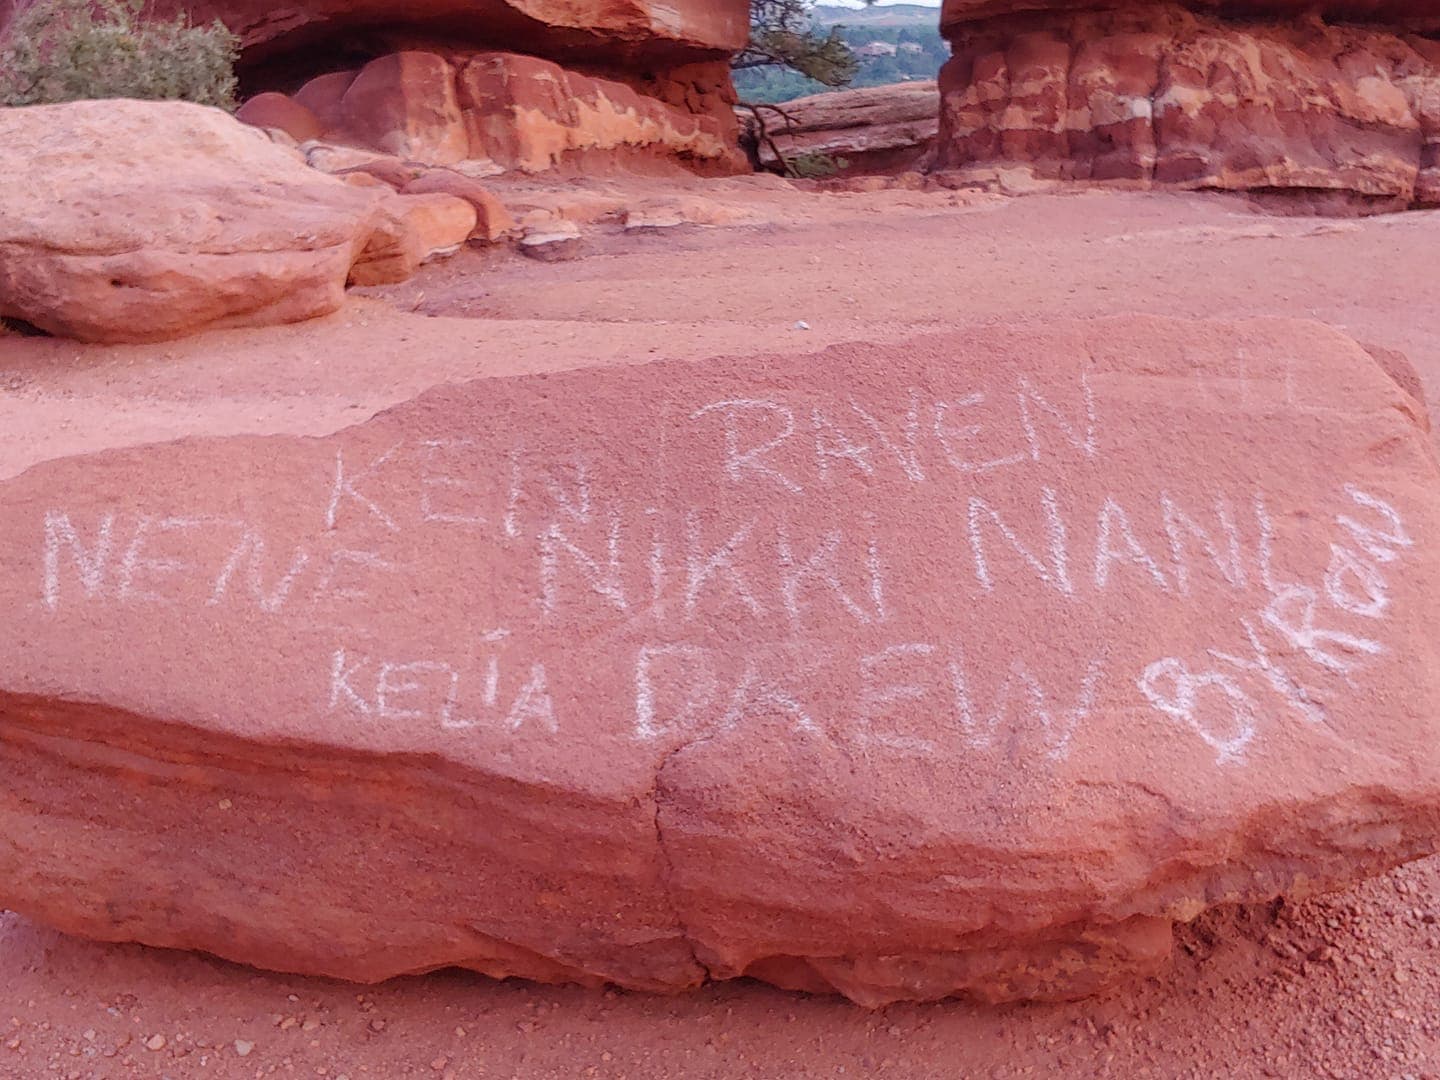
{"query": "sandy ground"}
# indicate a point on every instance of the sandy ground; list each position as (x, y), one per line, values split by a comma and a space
(1341, 987)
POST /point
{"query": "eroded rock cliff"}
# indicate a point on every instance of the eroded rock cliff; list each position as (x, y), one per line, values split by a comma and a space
(1160, 95)
(597, 84)
(502, 111)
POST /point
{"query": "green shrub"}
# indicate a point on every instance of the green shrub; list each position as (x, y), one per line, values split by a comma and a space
(816, 165)
(70, 50)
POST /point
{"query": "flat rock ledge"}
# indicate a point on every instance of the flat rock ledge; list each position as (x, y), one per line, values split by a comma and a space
(967, 666)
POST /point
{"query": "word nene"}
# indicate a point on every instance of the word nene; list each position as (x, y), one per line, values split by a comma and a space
(682, 566)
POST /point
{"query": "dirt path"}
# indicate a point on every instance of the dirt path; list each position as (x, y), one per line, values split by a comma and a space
(1341, 987)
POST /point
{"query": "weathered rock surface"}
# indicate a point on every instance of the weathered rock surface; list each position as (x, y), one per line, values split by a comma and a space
(148, 220)
(964, 665)
(654, 75)
(412, 231)
(502, 112)
(874, 129)
(152, 220)
(276, 112)
(1425, 14)
(1157, 96)
(617, 31)
(492, 220)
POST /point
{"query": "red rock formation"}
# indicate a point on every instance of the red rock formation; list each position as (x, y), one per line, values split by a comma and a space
(1424, 14)
(404, 104)
(403, 99)
(412, 230)
(276, 112)
(1160, 96)
(592, 83)
(493, 220)
(618, 33)
(514, 112)
(533, 115)
(159, 219)
(882, 129)
(968, 664)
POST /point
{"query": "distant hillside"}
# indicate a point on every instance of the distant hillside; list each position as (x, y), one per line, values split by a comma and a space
(894, 43)
(891, 15)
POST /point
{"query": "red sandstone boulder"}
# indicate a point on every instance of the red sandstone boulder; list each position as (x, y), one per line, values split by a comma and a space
(413, 229)
(390, 171)
(160, 219)
(324, 95)
(280, 113)
(492, 219)
(874, 129)
(968, 665)
(1158, 96)
(404, 104)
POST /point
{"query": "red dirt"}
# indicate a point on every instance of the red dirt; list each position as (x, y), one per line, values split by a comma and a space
(1251, 1002)
(1339, 987)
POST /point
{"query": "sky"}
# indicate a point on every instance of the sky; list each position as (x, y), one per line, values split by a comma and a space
(883, 3)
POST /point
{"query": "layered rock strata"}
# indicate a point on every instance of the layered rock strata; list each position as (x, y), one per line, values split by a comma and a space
(1161, 96)
(499, 112)
(877, 129)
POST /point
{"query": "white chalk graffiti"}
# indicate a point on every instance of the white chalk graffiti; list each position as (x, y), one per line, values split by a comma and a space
(344, 488)
(763, 444)
(431, 691)
(792, 571)
(1215, 704)
(155, 560)
(250, 550)
(741, 464)
(91, 562)
(1182, 700)
(915, 698)
(1056, 573)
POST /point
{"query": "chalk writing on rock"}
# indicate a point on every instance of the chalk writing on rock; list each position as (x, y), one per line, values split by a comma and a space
(1317, 623)
(833, 567)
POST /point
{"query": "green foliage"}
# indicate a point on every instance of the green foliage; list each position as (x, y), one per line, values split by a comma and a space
(816, 166)
(782, 34)
(775, 84)
(71, 50)
(920, 52)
